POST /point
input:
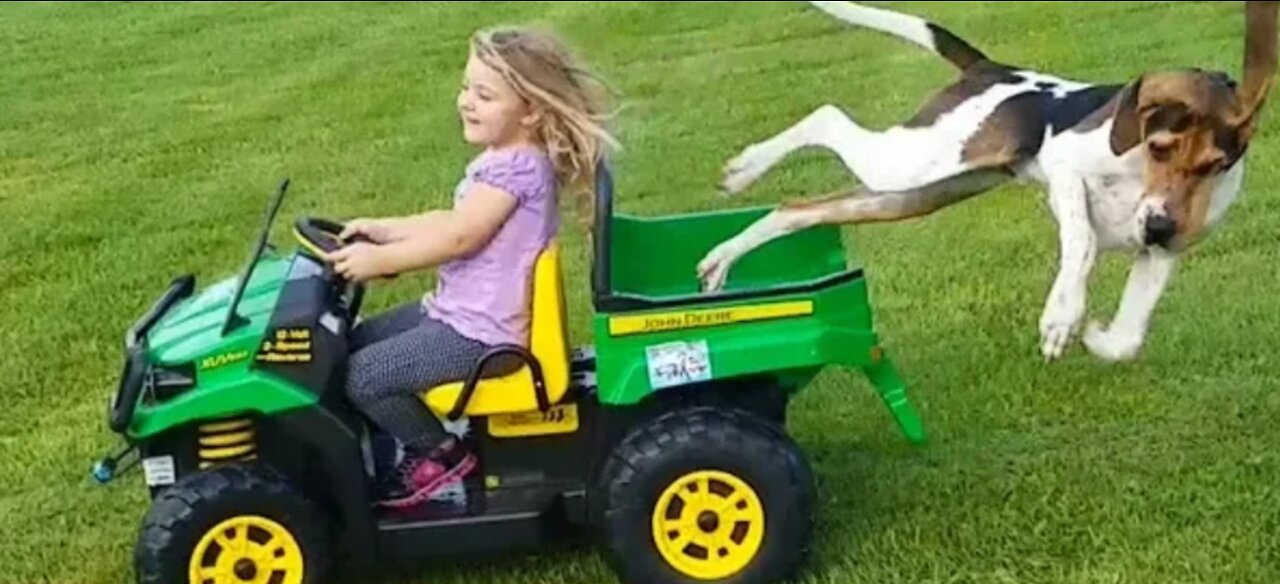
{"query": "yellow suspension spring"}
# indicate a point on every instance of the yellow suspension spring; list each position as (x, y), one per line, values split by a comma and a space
(228, 441)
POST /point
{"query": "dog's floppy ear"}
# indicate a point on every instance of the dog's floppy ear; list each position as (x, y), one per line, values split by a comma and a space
(1126, 128)
(1259, 64)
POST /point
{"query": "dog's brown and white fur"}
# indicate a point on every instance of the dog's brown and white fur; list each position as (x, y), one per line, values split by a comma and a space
(1147, 167)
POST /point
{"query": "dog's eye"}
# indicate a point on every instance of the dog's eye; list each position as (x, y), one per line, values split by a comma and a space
(1160, 152)
(1206, 168)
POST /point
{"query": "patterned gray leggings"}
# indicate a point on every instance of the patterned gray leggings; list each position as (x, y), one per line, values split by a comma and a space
(397, 355)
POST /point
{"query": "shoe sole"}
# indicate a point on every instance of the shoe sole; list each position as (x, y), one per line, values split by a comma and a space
(424, 493)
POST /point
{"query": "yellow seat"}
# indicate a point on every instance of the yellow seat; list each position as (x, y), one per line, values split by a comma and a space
(549, 344)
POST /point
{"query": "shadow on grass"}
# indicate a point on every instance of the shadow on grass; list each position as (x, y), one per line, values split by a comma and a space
(562, 562)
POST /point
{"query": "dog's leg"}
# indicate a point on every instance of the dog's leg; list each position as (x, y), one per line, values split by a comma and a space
(1065, 306)
(859, 206)
(1148, 277)
(827, 126)
(713, 270)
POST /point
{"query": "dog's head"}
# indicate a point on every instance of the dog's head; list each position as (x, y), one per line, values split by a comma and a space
(1193, 126)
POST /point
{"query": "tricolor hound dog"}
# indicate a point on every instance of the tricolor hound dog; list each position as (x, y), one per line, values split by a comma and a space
(1148, 166)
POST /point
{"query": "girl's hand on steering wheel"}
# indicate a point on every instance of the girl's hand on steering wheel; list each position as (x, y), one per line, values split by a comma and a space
(359, 262)
(376, 230)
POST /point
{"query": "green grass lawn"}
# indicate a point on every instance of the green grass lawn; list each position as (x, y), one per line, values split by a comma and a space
(141, 141)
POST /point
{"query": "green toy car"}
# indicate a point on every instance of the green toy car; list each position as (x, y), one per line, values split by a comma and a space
(664, 443)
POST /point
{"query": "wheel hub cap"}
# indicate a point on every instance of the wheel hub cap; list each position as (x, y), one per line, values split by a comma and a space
(708, 525)
(709, 522)
(246, 570)
(246, 550)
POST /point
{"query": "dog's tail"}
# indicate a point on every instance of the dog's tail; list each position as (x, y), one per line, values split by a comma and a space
(932, 37)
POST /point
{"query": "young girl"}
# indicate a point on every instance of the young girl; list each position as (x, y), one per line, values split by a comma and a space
(528, 104)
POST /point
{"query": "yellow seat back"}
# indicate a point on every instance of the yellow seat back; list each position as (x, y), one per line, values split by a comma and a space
(549, 344)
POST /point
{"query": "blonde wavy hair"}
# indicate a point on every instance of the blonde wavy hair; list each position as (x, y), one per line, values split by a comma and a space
(571, 99)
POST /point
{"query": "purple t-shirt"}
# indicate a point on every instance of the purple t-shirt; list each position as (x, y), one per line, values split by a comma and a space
(486, 296)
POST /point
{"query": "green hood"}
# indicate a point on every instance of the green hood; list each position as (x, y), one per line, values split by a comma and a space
(193, 328)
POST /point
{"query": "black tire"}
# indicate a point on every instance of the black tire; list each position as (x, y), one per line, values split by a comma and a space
(679, 445)
(182, 516)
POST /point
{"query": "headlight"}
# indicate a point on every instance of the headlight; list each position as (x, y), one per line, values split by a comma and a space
(170, 382)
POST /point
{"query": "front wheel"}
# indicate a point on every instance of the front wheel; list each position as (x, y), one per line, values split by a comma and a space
(233, 525)
(707, 495)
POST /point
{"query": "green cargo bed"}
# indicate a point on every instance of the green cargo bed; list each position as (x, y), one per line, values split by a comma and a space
(657, 258)
(788, 309)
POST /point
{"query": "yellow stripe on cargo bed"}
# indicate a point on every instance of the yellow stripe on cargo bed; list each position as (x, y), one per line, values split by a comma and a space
(670, 321)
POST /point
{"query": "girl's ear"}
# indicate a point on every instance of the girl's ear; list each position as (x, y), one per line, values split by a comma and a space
(532, 119)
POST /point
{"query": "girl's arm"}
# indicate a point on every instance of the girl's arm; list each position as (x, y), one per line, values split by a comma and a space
(433, 238)
(442, 236)
(392, 229)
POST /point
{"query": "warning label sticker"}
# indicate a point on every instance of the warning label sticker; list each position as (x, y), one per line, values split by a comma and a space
(159, 471)
(678, 363)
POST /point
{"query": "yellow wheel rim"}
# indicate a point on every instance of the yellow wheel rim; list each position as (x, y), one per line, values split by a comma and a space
(708, 525)
(247, 550)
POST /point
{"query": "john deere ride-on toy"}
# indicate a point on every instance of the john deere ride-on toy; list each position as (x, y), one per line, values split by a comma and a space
(665, 442)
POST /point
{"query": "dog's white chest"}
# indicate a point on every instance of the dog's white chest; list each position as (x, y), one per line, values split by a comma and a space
(1114, 199)
(1225, 194)
(1113, 186)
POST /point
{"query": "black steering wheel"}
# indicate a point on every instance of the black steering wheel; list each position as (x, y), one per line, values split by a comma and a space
(322, 234)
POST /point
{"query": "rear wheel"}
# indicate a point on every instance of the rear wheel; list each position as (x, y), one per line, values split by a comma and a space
(707, 495)
(233, 525)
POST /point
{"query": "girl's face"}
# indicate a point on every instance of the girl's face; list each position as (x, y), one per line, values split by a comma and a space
(493, 114)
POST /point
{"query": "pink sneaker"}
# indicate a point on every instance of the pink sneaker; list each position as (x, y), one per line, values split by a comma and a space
(421, 478)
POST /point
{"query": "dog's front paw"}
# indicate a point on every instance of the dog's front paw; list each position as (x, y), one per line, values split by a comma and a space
(1111, 345)
(1054, 340)
(1057, 329)
(713, 270)
(743, 171)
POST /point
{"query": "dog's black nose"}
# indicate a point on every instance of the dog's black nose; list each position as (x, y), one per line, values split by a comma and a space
(1160, 230)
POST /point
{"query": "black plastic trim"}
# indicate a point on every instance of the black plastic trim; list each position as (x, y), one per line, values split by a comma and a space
(601, 275)
(234, 320)
(120, 411)
(336, 447)
(469, 388)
